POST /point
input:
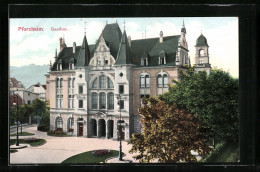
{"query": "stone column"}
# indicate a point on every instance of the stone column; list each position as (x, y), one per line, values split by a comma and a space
(106, 122)
(98, 135)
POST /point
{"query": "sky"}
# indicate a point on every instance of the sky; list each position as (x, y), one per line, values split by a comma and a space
(38, 47)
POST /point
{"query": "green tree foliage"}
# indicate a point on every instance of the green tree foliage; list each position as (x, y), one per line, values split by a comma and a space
(169, 134)
(214, 98)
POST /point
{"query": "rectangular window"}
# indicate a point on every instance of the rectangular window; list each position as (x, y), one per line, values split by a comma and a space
(29, 102)
(121, 89)
(144, 62)
(121, 104)
(106, 62)
(80, 89)
(80, 103)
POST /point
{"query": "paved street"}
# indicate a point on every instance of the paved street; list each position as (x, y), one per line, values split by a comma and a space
(57, 149)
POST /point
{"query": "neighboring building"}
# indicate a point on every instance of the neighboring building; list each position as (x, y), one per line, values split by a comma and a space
(39, 89)
(84, 81)
(14, 84)
(14, 98)
(27, 96)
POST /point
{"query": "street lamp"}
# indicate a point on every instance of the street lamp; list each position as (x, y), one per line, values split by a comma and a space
(17, 127)
(119, 129)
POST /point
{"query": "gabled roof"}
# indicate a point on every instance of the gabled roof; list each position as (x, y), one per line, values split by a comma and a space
(124, 55)
(153, 47)
(16, 83)
(112, 35)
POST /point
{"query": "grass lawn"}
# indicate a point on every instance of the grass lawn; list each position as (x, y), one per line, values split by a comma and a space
(87, 157)
(36, 143)
(231, 153)
(23, 134)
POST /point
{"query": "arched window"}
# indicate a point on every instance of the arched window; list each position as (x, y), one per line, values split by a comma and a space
(95, 84)
(165, 80)
(159, 80)
(110, 83)
(61, 82)
(111, 101)
(102, 101)
(142, 81)
(59, 122)
(147, 81)
(201, 52)
(102, 81)
(70, 122)
(94, 100)
(58, 82)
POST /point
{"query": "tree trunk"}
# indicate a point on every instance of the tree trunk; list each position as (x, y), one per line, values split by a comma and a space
(214, 141)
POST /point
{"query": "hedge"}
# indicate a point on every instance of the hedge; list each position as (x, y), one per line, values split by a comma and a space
(219, 147)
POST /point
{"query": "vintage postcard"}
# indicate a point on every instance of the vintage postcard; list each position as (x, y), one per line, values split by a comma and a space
(123, 90)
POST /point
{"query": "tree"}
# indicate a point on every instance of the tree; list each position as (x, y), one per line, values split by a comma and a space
(169, 134)
(213, 97)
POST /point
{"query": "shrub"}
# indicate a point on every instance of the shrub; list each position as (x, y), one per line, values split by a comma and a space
(30, 139)
(100, 152)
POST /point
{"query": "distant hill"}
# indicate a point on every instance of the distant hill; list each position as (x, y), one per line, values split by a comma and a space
(30, 74)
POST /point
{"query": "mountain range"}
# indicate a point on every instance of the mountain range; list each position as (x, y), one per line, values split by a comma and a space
(30, 74)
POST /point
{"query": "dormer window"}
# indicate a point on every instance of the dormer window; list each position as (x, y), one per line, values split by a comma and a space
(144, 62)
(201, 61)
(71, 64)
(59, 64)
(162, 60)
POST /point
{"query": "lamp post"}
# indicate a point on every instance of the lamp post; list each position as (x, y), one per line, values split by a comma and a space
(119, 129)
(17, 127)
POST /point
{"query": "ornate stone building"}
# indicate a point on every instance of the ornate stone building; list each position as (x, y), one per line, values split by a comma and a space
(90, 86)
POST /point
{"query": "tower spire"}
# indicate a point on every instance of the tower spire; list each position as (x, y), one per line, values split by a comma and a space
(124, 24)
(85, 28)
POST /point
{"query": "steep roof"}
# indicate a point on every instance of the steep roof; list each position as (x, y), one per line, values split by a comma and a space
(84, 54)
(153, 48)
(201, 41)
(65, 56)
(15, 83)
(112, 35)
(124, 55)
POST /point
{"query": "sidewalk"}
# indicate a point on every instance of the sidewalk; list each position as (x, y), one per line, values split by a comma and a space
(57, 149)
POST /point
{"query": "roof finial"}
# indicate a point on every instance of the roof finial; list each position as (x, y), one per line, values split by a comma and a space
(124, 24)
(56, 53)
(63, 39)
(201, 31)
(85, 28)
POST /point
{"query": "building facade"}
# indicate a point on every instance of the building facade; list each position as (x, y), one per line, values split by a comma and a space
(38, 89)
(96, 90)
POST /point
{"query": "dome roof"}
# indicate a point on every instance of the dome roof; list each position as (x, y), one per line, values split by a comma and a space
(201, 41)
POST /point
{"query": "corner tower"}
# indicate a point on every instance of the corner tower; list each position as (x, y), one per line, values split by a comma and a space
(202, 54)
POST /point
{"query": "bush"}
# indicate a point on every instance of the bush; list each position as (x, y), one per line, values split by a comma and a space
(216, 151)
(30, 139)
(100, 152)
(43, 128)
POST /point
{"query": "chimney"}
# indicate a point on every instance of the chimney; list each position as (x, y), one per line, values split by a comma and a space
(74, 47)
(161, 37)
(61, 42)
(129, 40)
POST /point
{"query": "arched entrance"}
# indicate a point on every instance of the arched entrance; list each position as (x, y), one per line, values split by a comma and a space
(110, 127)
(101, 128)
(94, 127)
